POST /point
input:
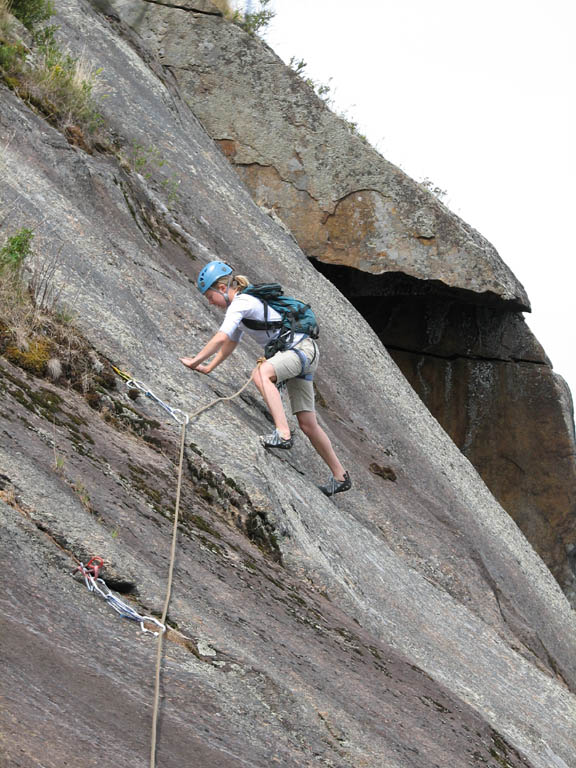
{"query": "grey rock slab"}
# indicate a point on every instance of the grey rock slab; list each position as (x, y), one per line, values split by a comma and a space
(266, 680)
(428, 571)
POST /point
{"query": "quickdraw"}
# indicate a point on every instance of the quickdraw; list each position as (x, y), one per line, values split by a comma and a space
(94, 583)
(179, 416)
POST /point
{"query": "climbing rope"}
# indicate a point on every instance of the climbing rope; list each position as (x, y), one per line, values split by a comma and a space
(183, 419)
(91, 571)
(166, 601)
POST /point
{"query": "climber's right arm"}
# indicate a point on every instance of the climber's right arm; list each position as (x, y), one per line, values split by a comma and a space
(228, 346)
(219, 341)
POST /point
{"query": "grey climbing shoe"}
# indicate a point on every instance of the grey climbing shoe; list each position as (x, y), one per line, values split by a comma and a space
(275, 440)
(336, 486)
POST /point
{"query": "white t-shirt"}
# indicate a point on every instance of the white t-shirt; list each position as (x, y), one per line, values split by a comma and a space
(245, 306)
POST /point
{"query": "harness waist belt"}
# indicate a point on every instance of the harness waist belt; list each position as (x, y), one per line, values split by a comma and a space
(261, 325)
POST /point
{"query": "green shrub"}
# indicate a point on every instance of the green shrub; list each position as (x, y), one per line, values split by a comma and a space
(12, 51)
(32, 12)
(15, 250)
(33, 333)
(254, 22)
(33, 357)
(147, 161)
(297, 65)
(12, 56)
(436, 190)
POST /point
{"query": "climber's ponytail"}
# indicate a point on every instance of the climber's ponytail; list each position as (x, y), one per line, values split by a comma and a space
(241, 282)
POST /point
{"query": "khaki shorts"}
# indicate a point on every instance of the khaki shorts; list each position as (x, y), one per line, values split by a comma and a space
(288, 366)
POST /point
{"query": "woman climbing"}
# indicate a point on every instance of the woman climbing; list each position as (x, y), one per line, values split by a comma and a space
(295, 365)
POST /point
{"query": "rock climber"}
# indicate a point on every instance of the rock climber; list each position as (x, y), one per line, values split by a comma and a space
(224, 289)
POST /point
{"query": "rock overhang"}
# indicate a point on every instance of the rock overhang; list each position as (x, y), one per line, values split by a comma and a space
(342, 200)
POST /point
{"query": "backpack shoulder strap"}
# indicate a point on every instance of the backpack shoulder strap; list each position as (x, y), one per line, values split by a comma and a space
(265, 292)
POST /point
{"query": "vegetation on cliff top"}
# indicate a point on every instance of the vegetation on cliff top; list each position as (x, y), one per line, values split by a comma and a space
(252, 22)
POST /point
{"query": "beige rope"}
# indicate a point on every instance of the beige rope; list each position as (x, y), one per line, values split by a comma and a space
(173, 558)
(166, 603)
(229, 397)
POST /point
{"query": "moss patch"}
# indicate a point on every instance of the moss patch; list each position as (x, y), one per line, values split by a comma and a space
(500, 751)
(200, 523)
(34, 358)
(261, 531)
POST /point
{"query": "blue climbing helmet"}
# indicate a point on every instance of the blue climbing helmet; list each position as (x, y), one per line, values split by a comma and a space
(213, 271)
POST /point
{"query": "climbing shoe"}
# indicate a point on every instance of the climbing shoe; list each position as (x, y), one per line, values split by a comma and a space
(336, 486)
(275, 440)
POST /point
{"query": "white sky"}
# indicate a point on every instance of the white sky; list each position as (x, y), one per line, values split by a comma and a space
(479, 98)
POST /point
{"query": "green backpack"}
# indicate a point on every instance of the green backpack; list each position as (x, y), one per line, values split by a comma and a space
(297, 317)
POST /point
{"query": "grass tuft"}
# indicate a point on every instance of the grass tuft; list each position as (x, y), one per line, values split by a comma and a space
(60, 86)
(35, 334)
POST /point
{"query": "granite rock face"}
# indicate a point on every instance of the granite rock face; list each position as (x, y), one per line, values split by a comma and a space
(343, 202)
(515, 424)
(354, 212)
(487, 380)
(407, 623)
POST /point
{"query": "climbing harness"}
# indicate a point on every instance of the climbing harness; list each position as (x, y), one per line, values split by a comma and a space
(304, 361)
(94, 583)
